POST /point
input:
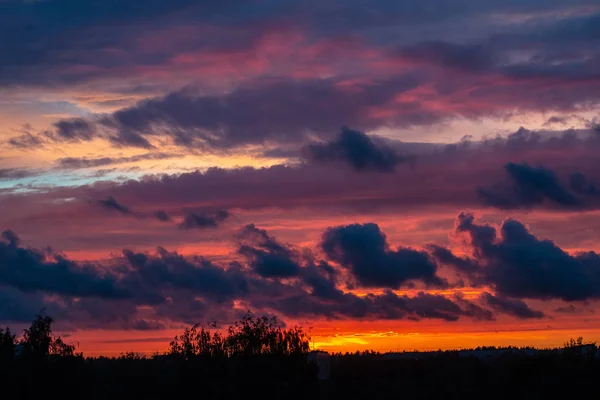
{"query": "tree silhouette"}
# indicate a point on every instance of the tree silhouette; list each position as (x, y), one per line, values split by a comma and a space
(7, 345)
(60, 348)
(264, 336)
(197, 341)
(38, 338)
(38, 341)
(574, 342)
(248, 337)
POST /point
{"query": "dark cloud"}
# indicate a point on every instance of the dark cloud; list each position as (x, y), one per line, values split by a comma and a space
(594, 125)
(424, 305)
(192, 289)
(266, 255)
(283, 111)
(168, 282)
(356, 149)
(170, 271)
(580, 184)
(32, 270)
(563, 49)
(19, 307)
(45, 38)
(85, 162)
(11, 238)
(16, 173)
(26, 141)
(386, 306)
(193, 220)
(143, 325)
(321, 279)
(111, 203)
(427, 305)
(321, 187)
(463, 56)
(529, 186)
(127, 138)
(288, 110)
(468, 58)
(75, 129)
(555, 119)
(364, 251)
(516, 308)
(162, 216)
(446, 257)
(517, 264)
(473, 310)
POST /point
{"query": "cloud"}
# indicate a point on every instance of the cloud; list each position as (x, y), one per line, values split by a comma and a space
(266, 255)
(556, 119)
(281, 110)
(289, 110)
(446, 257)
(517, 264)
(424, 305)
(579, 184)
(143, 325)
(530, 186)
(316, 188)
(126, 138)
(467, 58)
(385, 306)
(286, 280)
(26, 141)
(465, 67)
(168, 271)
(17, 306)
(516, 308)
(11, 238)
(75, 129)
(321, 279)
(111, 203)
(144, 290)
(161, 215)
(85, 162)
(355, 149)
(32, 270)
(16, 173)
(193, 220)
(363, 250)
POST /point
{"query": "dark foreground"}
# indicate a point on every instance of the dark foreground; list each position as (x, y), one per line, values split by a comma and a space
(447, 375)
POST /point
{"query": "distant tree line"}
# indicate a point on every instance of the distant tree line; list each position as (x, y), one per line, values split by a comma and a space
(36, 343)
(251, 336)
(257, 357)
(248, 337)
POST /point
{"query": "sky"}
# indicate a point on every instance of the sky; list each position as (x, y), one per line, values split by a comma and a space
(389, 175)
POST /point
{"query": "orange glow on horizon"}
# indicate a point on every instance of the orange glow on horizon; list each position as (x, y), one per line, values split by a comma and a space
(114, 343)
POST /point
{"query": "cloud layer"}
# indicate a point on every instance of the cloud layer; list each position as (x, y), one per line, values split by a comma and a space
(295, 282)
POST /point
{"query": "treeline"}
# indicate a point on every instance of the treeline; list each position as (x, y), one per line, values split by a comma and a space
(256, 357)
(37, 343)
(247, 338)
(250, 336)
(251, 353)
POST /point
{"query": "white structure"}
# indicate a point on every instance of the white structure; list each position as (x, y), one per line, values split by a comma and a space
(322, 360)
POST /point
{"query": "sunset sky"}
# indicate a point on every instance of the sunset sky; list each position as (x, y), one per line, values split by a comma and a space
(390, 175)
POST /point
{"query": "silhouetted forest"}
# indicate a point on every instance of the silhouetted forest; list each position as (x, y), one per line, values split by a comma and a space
(256, 358)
